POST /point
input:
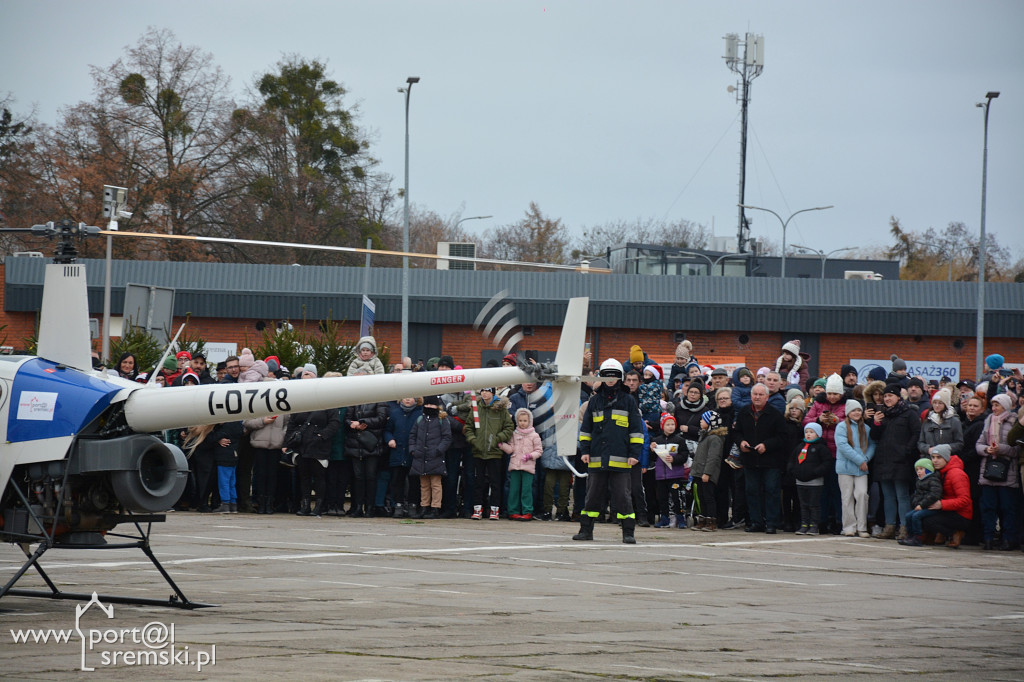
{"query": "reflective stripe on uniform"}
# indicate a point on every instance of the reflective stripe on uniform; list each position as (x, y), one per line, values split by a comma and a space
(625, 516)
(597, 417)
(591, 514)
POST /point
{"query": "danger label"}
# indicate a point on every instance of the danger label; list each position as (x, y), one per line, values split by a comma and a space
(449, 379)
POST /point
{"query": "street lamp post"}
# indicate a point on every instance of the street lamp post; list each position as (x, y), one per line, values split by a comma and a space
(979, 342)
(405, 223)
(824, 256)
(712, 264)
(474, 217)
(785, 224)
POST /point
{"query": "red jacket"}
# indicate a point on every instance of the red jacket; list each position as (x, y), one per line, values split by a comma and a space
(956, 488)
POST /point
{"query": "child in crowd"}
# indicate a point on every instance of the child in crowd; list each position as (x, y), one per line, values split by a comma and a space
(927, 491)
(742, 382)
(809, 463)
(429, 441)
(525, 449)
(650, 393)
(707, 465)
(490, 425)
(670, 473)
(366, 357)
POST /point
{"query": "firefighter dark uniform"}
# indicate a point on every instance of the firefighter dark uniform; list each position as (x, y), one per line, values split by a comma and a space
(611, 434)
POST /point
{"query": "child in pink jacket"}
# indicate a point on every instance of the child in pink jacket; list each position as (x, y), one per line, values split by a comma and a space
(525, 449)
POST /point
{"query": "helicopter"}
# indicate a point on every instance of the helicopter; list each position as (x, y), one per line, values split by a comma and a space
(79, 457)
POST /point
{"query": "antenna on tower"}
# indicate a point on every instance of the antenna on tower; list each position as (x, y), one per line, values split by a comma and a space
(748, 66)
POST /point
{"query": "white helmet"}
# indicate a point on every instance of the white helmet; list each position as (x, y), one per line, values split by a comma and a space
(610, 368)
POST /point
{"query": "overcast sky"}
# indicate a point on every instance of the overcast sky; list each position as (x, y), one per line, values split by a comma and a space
(601, 110)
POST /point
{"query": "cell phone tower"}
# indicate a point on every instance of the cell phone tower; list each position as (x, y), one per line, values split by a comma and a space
(748, 66)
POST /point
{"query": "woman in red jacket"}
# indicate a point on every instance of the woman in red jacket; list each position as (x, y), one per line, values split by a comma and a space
(955, 509)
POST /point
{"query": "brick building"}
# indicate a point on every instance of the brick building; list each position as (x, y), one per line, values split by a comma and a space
(725, 318)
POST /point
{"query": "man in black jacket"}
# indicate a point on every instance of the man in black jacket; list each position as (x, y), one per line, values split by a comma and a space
(759, 432)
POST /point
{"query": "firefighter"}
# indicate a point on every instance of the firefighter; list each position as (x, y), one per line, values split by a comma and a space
(611, 440)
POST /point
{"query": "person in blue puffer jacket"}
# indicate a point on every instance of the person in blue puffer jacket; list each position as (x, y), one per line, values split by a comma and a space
(405, 494)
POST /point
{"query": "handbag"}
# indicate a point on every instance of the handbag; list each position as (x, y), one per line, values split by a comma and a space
(996, 469)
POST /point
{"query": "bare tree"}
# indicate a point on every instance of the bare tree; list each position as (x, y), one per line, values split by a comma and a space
(535, 239)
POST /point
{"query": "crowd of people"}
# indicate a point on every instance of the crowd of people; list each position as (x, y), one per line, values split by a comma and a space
(772, 450)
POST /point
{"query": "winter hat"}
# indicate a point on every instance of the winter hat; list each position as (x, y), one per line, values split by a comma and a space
(820, 382)
(794, 394)
(245, 359)
(510, 359)
(814, 426)
(712, 419)
(744, 370)
(793, 347)
(924, 463)
(170, 364)
(273, 364)
(897, 363)
(763, 371)
(876, 374)
(489, 389)
(432, 363)
(431, 400)
(915, 381)
(183, 354)
(943, 451)
(852, 405)
(697, 383)
(446, 361)
(834, 384)
(994, 361)
(719, 372)
(893, 389)
(636, 354)
(142, 378)
(189, 375)
(944, 396)
(1005, 400)
(528, 413)
(797, 402)
(692, 364)
(684, 348)
(666, 416)
(656, 370)
(311, 368)
(847, 369)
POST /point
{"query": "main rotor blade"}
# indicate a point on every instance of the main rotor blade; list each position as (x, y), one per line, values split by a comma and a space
(352, 249)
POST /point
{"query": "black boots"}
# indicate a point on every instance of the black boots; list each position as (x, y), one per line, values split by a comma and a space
(586, 528)
(628, 526)
(304, 509)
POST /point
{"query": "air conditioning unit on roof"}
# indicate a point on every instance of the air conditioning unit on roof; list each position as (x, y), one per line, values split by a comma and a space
(459, 249)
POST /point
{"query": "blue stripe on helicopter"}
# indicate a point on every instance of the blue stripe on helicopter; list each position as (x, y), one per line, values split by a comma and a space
(48, 401)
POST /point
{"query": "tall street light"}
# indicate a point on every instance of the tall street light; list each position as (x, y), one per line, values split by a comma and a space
(980, 340)
(474, 217)
(824, 256)
(405, 223)
(785, 224)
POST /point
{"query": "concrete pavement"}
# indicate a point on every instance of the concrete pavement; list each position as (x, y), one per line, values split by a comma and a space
(309, 599)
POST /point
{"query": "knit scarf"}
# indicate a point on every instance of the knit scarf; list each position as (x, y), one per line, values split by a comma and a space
(995, 425)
